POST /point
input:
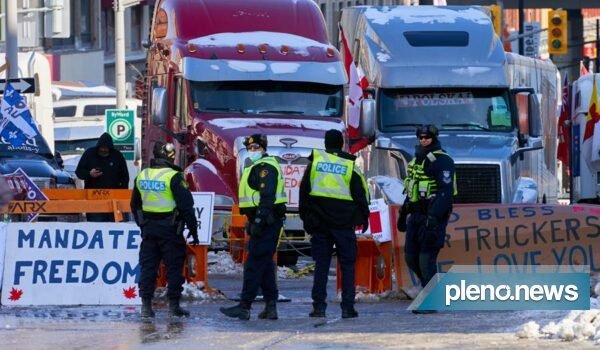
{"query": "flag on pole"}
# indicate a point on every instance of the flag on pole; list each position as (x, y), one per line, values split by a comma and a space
(591, 135)
(357, 83)
(582, 70)
(564, 125)
(16, 124)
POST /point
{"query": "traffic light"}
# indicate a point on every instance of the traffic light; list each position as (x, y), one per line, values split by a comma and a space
(557, 32)
(496, 14)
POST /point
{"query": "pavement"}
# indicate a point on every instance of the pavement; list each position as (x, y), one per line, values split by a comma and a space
(384, 324)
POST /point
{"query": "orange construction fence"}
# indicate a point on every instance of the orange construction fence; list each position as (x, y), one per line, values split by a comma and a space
(117, 201)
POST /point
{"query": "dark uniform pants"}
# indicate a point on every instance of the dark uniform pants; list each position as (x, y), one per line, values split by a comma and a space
(419, 251)
(259, 270)
(161, 241)
(322, 248)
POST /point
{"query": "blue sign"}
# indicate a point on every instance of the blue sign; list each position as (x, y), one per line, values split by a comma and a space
(332, 168)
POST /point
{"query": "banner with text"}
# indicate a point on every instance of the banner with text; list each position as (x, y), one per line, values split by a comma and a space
(55, 263)
(513, 235)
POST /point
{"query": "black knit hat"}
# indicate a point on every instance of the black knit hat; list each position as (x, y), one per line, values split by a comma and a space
(428, 130)
(259, 139)
(334, 139)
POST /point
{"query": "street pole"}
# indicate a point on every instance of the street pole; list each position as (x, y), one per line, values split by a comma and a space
(12, 47)
(521, 26)
(120, 53)
(597, 61)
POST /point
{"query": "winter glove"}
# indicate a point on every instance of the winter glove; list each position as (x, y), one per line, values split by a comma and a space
(365, 225)
(194, 236)
(402, 216)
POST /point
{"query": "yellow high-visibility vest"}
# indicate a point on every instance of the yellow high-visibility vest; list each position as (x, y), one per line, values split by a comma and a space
(155, 188)
(330, 176)
(249, 197)
(417, 184)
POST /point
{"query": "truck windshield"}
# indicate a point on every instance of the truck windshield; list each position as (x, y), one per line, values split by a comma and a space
(448, 109)
(268, 98)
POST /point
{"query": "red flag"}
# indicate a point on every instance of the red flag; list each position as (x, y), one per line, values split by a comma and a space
(593, 115)
(582, 70)
(564, 125)
(356, 85)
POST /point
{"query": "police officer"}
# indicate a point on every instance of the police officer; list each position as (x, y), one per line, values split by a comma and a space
(429, 186)
(262, 199)
(333, 201)
(161, 203)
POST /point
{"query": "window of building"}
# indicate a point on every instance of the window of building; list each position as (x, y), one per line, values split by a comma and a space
(136, 27)
(108, 25)
(63, 43)
(324, 10)
(85, 24)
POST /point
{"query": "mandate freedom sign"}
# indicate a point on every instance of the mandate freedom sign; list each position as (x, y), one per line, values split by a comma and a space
(71, 264)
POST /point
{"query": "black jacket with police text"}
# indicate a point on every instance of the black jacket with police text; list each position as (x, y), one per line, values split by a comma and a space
(331, 212)
(184, 201)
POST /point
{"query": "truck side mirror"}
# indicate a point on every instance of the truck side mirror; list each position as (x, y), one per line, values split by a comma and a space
(367, 118)
(160, 107)
(534, 116)
(522, 110)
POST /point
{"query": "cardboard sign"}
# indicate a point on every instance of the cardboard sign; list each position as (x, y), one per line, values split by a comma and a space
(203, 207)
(55, 263)
(292, 176)
(25, 189)
(514, 235)
(379, 225)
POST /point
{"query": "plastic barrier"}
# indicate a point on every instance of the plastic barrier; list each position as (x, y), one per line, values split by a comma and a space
(373, 269)
(238, 240)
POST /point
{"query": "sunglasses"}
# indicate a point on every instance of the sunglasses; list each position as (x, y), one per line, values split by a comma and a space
(253, 147)
(424, 137)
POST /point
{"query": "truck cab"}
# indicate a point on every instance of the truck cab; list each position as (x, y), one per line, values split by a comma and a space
(220, 71)
(496, 111)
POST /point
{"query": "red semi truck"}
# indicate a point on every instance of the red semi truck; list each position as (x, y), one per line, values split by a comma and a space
(218, 71)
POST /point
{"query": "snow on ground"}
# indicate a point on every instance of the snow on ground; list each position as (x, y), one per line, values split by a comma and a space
(193, 291)
(221, 263)
(577, 325)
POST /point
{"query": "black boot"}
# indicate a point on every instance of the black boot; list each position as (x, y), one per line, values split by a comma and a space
(317, 313)
(241, 311)
(270, 311)
(349, 313)
(147, 311)
(175, 310)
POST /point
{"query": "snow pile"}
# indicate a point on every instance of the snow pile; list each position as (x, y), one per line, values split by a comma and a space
(193, 291)
(221, 263)
(577, 325)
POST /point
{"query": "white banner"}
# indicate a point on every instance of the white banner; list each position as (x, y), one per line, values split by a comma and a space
(55, 263)
(203, 207)
(379, 221)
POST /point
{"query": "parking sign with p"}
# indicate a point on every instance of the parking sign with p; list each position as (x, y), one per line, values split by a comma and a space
(119, 124)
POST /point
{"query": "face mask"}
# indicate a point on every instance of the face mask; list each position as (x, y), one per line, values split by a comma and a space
(254, 155)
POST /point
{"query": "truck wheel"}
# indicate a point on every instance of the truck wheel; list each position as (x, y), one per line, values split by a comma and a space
(287, 258)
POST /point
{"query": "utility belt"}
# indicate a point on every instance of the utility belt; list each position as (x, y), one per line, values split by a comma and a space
(420, 206)
(168, 218)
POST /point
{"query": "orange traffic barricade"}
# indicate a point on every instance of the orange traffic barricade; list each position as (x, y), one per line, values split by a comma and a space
(373, 268)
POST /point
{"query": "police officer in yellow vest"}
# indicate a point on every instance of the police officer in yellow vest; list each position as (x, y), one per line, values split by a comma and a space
(262, 199)
(429, 187)
(161, 203)
(333, 202)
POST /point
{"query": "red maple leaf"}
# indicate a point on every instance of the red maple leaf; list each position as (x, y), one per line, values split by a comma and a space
(15, 294)
(129, 293)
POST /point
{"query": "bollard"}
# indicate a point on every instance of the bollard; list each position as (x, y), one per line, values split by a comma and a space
(373, 273)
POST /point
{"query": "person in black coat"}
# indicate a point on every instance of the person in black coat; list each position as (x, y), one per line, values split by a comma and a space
(332, 221)
(424, 214)
(103, 167)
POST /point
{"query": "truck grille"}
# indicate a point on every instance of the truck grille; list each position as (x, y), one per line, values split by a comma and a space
(478, 183)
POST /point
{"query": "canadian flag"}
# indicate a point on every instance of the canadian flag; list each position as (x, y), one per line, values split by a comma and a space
(582, 70)
(564, 125)
(356, 85)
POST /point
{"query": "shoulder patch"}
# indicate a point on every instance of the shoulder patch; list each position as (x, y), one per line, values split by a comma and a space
(184, 184)
(263, 173)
